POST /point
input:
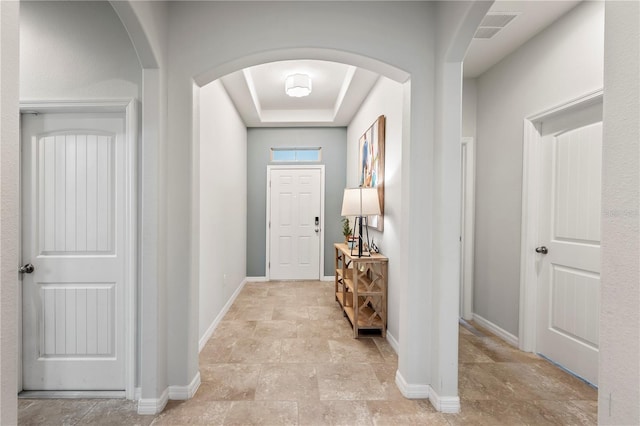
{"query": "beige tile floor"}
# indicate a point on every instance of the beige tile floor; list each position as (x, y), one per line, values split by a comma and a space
(284, 355)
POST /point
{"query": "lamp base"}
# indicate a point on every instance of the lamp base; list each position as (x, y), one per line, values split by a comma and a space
(363, 247)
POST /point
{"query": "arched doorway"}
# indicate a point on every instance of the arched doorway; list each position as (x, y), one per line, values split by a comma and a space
(208, 40)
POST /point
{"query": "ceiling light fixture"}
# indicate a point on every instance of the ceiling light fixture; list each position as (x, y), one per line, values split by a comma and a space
(298, 85)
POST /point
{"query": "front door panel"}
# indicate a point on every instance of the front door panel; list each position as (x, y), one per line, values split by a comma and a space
(294, 236)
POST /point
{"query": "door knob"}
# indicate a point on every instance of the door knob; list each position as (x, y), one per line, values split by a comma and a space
(26, 269)
(542, 250)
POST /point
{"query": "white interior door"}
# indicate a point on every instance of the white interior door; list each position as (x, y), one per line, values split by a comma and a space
(295, 219)
(569, 241)
(73, 224)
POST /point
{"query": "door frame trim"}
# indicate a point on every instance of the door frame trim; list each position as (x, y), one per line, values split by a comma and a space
(531, 162)
(322, 213)
(130, 109)
(468, 228)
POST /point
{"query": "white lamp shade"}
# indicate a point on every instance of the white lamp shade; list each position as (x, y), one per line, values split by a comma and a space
(360, 202)
(298, 85)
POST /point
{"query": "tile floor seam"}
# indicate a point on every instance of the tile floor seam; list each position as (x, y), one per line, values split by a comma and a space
(87, 413)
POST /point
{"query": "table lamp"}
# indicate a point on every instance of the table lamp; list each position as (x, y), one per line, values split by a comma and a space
(361, 203)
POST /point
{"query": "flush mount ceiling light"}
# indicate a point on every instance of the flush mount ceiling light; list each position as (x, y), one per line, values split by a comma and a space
(298, 85)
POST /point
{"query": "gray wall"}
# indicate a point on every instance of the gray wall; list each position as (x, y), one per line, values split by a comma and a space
(562, 63)
(334, 152)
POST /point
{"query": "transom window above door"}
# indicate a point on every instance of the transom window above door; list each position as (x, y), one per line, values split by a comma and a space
(296, 154)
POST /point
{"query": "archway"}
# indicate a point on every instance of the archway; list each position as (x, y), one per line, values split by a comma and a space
(223, 280)
(426, 40)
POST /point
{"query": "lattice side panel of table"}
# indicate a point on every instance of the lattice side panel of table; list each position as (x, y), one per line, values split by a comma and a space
(371, 278)
(370, 313)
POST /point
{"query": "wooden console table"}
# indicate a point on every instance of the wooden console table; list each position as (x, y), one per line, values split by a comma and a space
(361, 288)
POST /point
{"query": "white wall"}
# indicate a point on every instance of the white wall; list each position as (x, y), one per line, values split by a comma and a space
(456, 24)
(386, 98)
(342, 32)
(469, 107)
(563, 62)
(223, 203)
(75, 50)
(619, 367)
(9, 223)
(147, 25)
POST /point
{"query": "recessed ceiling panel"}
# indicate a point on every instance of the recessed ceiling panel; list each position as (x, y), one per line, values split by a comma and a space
(326, 81)
(337, 92)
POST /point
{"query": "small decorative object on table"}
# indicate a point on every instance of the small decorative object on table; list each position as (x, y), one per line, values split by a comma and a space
(352, 242)
(346, 229)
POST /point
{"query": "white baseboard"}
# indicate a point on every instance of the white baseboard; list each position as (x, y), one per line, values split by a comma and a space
(185, 392)
(264, 279)
(72, 394)
(444, 404)
(214, 324)
(393, 342)
(151, 406)
(498, 331)
(411, 391)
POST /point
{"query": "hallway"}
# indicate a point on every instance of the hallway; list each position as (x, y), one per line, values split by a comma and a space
(284, 355)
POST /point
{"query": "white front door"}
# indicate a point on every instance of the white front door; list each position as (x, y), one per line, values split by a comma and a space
(295, 219)
(569, 233)
(74, 235)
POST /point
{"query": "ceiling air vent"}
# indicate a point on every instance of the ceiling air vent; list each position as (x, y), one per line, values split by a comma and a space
(492, 23)
(486, 32)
